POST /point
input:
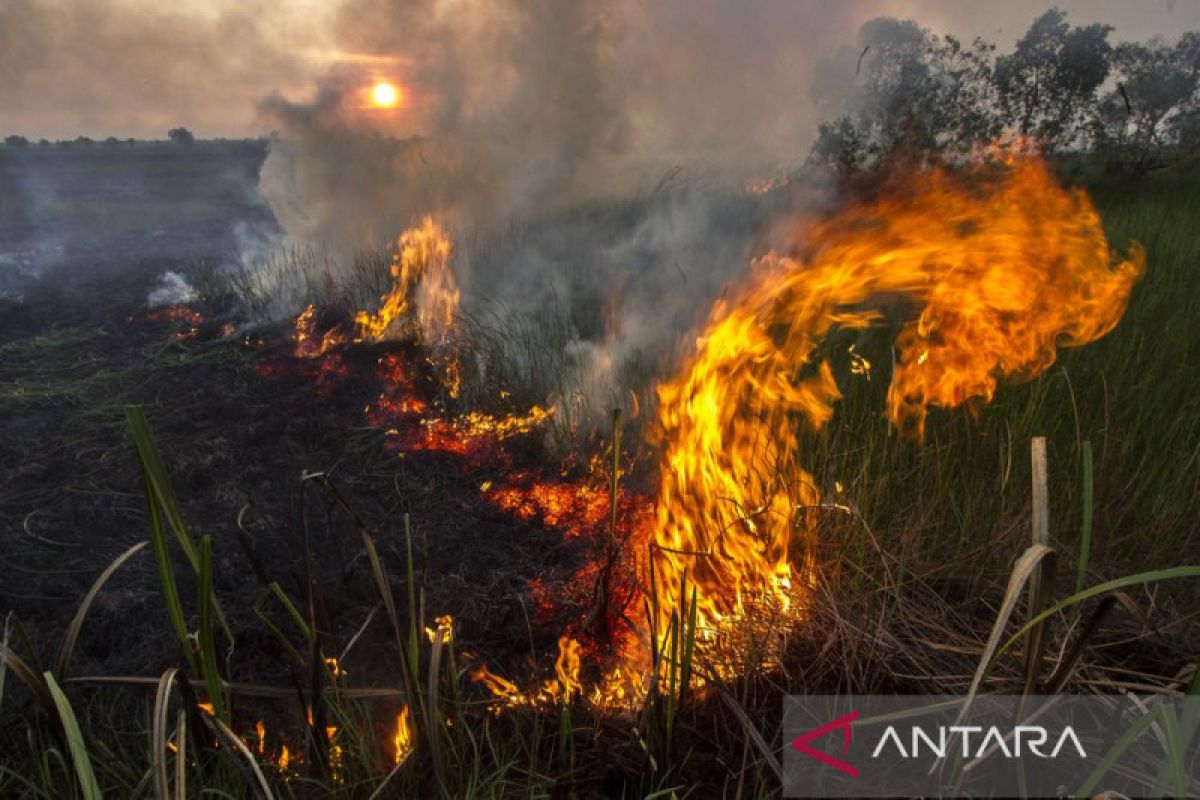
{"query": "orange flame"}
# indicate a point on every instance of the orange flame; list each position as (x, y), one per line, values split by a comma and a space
(422, 280)
(566, 667)
(304, 334)
(405, 737)
(558, 690)
(422, 256)
(1003, 264)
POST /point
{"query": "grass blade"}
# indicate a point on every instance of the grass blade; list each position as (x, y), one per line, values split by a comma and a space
(206, 636)
(158, 731)
(235, 742)
(1021, 573)
(1085, 534)
(33, 680)
(79, 755)
(1153, 576)
(72, 634)
(181, 756)
(159, 488)
(166, 573)
(1118, 749)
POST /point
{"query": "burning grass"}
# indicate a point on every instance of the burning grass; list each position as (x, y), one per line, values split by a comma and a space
(372, 668)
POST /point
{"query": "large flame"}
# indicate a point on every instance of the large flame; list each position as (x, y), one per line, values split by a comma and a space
(1002, 265)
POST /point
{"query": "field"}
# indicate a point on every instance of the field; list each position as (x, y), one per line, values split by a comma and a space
(301, 559)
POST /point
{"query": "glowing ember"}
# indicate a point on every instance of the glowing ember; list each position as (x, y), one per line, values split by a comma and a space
(176, 313)
(1003, 265)
(458, 434)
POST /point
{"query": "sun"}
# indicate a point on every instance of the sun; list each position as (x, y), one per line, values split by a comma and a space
(385, 95)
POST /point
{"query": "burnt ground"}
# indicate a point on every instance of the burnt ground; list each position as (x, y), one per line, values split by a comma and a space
(77, 344)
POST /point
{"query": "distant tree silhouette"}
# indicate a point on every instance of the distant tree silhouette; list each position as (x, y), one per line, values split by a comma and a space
(15, 141)
(180, 136)
(1048, 83)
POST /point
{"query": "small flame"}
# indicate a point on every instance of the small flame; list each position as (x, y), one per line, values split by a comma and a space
(304, 335)
(405, 736)
(444, 633)
(559, 690)
(566, 667)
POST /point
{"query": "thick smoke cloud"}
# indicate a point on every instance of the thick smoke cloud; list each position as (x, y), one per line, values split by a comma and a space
(586, 154)
(506, 109)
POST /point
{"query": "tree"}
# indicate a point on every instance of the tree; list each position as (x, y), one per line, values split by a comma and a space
(904, 92)
(1154, 109)
(181, 136)
(15, 141)
(1048, 83)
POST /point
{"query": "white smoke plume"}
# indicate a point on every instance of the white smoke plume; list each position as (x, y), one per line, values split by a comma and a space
(172, 289)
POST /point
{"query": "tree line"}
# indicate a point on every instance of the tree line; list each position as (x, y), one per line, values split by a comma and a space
(906, 92)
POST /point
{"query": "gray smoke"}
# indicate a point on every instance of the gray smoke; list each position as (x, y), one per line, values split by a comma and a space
(588, 156)
(172, 289)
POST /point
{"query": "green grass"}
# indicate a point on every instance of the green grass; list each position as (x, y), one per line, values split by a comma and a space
(1132, 395)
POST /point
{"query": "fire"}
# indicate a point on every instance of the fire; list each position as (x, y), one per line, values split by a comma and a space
(422, 255)
(304, 334)
(176, 313)
(1002, 265)
(404, 738)
(422, 281)
(566, 668)
(444, 633)
(458, 434)
(558, 690)
(997, 265)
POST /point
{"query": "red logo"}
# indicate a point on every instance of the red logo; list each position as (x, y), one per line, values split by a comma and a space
(800, 743)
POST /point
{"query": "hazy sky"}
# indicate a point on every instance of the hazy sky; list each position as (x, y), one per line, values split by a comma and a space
(136, 68)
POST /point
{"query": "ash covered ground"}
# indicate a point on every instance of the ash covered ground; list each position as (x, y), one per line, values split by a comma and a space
(78, 342)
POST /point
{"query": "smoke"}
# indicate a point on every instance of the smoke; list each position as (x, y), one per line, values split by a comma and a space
(172, 289)
(588, 156)
(506, 110)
